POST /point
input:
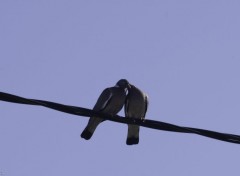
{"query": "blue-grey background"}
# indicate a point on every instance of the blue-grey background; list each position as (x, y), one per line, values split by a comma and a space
(184, 54)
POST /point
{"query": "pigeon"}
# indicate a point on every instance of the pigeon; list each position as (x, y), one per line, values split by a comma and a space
(135, 107)
(110, 101)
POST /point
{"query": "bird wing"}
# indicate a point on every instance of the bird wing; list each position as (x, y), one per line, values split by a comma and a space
(146, 103)
(126, 106)
(103, 99)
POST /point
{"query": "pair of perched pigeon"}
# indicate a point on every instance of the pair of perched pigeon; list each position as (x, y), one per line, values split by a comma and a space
(112, 100)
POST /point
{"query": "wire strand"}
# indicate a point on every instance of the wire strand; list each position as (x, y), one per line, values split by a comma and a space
(232, 138)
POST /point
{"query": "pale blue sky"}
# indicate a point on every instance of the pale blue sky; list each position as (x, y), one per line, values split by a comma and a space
(184, 54)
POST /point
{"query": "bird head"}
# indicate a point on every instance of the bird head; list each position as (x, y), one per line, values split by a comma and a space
(123, 83)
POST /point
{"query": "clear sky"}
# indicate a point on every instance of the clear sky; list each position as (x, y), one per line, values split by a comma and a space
(184, 54)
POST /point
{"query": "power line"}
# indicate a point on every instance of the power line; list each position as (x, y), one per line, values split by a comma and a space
(145, 123)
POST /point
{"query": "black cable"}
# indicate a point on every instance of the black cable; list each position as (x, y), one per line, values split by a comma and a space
(145, 123)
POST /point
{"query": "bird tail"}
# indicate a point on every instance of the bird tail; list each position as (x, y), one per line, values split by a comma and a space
(91, 127)
(133, 135)
(86, 134)
(132, 140)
